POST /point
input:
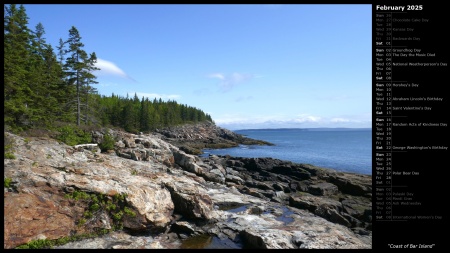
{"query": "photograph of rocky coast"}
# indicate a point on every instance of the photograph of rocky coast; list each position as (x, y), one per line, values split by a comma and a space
(113, 114)
(153, 191)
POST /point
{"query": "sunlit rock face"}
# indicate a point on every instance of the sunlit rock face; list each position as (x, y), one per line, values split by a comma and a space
(256, 203)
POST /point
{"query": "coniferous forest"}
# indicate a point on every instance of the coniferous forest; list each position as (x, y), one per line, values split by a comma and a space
(46, 86)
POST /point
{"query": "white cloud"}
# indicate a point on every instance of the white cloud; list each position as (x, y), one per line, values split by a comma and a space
(340, 120)
(227, 82)
(300, 121)
(217, 75)
(110, 68)
(306, 118)
(157, 96)
(244, 119)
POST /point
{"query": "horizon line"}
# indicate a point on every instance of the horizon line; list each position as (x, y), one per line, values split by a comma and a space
(305, 128)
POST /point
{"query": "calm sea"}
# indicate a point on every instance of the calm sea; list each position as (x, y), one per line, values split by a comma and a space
(348, 150)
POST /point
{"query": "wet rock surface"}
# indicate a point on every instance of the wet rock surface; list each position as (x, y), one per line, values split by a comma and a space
(179, 200)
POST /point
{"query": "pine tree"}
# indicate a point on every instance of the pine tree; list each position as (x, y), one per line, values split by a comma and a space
(61, 51)
(79, 68)
(45, 75)
(87, 79)
(37, 80)
(67, 101)
(74, 65)
(56, 89)
(16, 55)
(42, 87)
(144, 115)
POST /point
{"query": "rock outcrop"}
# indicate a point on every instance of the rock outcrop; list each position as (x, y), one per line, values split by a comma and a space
(192, 138)
(151, 194)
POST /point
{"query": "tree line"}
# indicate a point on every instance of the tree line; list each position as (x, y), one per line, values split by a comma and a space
(134, 114)
(42, 87)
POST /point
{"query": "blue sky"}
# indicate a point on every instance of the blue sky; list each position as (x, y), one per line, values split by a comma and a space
(248, 66)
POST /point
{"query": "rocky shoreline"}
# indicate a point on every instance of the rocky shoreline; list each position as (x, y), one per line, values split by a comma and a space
(192, 138)
(165, 197)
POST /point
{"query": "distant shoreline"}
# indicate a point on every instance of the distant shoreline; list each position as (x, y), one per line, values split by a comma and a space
(308, 129)
(312, 150)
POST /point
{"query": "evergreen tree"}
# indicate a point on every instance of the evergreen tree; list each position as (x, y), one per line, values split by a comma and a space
(144, 115)
(39, 40)
(54, 84)
(74, 66)
(67, 101)
(79, 69)
(87, 78)
(42, 87)
(37, 80)
(16, 55)
(61, 51)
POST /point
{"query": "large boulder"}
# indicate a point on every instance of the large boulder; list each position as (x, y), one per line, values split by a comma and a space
(152, 202)
(190, 199)
(323, 189)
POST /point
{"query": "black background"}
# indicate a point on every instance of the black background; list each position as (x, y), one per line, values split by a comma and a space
(430, 188)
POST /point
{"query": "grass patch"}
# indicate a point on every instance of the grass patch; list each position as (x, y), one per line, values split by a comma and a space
(8, 144)
(48, 244)
(73, 135)
(107, 143)
(115, 206)
(37, 244)
(7, 182)
(9, 156)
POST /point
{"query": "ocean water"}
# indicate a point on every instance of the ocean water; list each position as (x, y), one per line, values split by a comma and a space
(348, 150)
